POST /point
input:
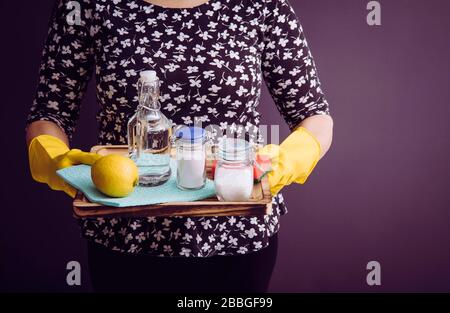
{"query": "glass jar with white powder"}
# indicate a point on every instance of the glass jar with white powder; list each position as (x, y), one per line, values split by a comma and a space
(191, 158)
(233, 177)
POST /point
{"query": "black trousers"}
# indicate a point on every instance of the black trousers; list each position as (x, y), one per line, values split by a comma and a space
(111, 271)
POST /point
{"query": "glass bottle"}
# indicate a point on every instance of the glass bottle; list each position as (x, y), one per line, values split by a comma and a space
(149, 134)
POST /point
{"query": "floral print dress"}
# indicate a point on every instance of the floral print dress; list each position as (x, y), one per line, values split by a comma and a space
(212, 60)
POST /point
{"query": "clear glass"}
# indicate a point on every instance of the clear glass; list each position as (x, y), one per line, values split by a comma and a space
(233, 177)
(149, 136)
(191, 164)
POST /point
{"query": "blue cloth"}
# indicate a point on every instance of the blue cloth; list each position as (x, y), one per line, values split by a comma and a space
(79, 177)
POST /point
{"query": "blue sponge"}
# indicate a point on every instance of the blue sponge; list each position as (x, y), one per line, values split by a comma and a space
(79, 177)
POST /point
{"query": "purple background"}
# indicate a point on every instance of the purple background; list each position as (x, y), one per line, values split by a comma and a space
(382, 193)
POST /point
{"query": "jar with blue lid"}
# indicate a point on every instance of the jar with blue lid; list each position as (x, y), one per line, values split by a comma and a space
(191, 157)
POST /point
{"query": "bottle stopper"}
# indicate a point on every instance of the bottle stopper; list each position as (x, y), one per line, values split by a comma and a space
(148, 76)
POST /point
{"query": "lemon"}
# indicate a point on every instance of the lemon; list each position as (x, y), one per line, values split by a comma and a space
(115, 175)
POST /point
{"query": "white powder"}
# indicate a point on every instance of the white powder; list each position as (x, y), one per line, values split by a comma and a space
(233, 184)
(191, 169)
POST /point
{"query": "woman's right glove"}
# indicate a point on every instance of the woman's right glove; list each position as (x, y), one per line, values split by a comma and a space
(47, 154)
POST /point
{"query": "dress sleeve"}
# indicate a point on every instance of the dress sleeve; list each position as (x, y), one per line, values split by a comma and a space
(288, 67)
(66, 66)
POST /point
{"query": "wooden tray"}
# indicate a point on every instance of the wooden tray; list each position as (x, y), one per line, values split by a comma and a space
(259, 203)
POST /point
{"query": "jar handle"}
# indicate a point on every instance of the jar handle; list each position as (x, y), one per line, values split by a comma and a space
(173, 138)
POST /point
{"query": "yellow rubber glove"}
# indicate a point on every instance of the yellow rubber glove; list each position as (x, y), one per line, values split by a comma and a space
(293, 160)
(47, 154)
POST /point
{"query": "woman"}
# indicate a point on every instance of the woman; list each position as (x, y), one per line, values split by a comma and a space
(212, 57)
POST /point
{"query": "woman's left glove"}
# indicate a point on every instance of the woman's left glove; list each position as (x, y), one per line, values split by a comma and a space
(293, 160)
(47, 154)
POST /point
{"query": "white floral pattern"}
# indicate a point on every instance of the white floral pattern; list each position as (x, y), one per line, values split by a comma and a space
(212, 60)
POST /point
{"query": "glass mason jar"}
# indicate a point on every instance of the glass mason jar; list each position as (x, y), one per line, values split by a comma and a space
(191, 158)
(233, 177)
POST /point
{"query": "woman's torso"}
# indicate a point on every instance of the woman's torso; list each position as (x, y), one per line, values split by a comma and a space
(207, 57)
(209, 61)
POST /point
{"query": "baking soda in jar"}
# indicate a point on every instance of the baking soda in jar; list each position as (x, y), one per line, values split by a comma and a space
(233, 184)
(191, 158)
(233, 177)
